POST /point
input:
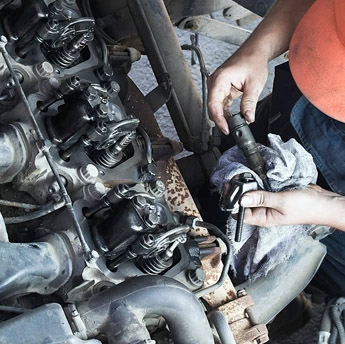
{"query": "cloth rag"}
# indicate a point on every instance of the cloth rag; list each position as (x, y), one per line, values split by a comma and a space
(289, 166)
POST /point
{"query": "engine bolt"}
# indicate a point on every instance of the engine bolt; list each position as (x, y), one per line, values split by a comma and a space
(96, 191)
(91, 93)
(152, 219)
(241, 293)
(102, 110)
(148, 173)
(94, 255)
(88, 174)
(140, 202)
(196, 277)
(44, 69)
(55, 8)
(105, 72)
(157, 188)
(113, 89)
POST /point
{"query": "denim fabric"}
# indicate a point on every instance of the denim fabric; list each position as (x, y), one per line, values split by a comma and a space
(324, 138)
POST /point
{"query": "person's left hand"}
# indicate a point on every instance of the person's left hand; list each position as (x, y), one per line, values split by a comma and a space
(309, 206)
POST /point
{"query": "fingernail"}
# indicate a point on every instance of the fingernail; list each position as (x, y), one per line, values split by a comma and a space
(247, 201)
(250, 116)
(226, 131)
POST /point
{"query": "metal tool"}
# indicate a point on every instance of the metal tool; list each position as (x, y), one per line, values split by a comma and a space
(246, 142)
(231, 196)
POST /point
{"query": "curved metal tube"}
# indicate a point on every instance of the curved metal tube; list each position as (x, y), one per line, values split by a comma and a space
(43, 211)
(138, 298)
(223, 329)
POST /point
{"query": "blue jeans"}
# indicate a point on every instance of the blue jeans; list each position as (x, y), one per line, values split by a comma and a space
(324, 138)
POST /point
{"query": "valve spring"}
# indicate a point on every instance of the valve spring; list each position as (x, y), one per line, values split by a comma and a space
(106, 158)
(155, 265)
(109, 157)
(63, 58)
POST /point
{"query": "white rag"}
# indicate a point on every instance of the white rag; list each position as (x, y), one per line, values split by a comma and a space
(289, 166)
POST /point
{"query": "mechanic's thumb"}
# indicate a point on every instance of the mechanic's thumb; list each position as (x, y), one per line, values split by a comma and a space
(249, 100)
(257, 199)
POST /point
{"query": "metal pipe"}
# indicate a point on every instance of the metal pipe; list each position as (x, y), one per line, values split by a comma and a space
(166, 57)
(223, 329)
(204, 74)
(38, 267)
(18, 204)
(43, 148)
(43, 211)
(140, 297)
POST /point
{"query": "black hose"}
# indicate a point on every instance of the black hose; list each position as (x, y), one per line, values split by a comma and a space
(217, 232)
(140, 297)
(43, 211)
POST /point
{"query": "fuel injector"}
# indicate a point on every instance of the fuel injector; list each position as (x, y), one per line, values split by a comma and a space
(246, 143)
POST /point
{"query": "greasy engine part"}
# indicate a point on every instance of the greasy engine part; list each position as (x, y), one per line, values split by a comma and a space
(86, 222)
(126, 305)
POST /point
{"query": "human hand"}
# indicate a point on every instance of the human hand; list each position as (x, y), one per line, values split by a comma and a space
(313, 205)
(241, 73)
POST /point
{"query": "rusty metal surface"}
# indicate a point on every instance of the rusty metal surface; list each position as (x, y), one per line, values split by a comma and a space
(243, 326)
(179, 199)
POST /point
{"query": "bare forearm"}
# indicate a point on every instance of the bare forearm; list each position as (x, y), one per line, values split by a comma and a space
(334, 215)
(272, 37)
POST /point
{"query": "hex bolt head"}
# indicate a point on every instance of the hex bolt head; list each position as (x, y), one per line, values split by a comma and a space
(152, 219)
(196, 277)
(91, 93)
(102, 110)
(105, 72)
(113, 88)
(140, 202)
(88, 174)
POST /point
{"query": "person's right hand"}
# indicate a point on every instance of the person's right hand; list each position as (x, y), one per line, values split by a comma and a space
(241, 73)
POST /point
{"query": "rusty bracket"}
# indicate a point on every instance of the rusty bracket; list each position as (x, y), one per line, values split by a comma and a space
(242, 322)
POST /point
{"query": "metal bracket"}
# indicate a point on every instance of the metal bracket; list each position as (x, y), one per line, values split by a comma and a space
(161, 94)
(241, 321)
